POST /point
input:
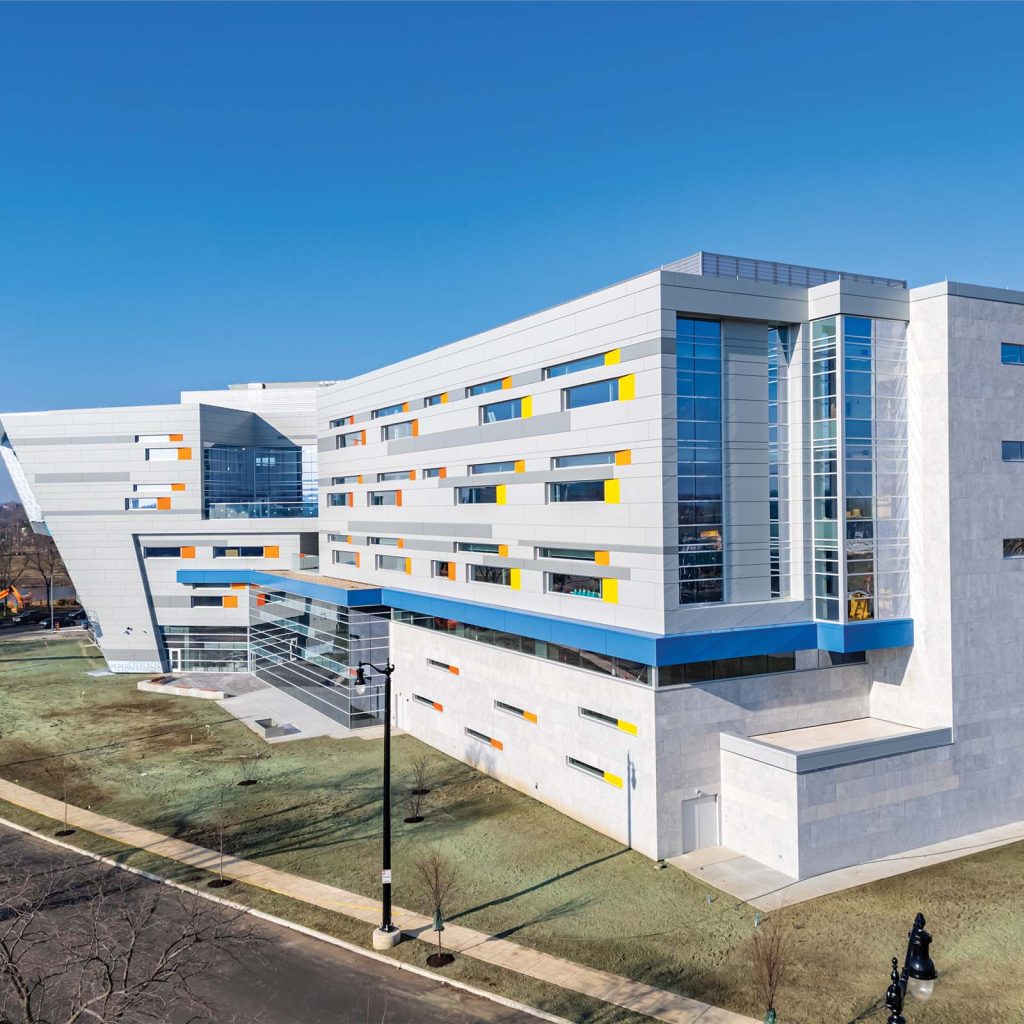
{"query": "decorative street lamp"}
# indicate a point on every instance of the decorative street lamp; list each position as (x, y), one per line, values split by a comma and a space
(387, 935)
(918, 974)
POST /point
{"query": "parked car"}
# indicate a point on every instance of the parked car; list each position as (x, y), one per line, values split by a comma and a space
(30, 615)
(65, 619)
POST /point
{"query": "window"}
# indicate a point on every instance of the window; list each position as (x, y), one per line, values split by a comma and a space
(511, 709)
(342, 421)
(162, 454)
(207, 602)
(698, 672)
(157, 438)
(384, 498)
(394, 431)
(482, 389)
(353, 439)
(577, 490)
(490, 574)
(142, 504)
(574, 365)
(427, 702)
(476, 495)
(492, 467)
(395, 474)
(338, 499)
(573, 585)
(388, 410)
(499, 411)
(341, 481)
(392, 563)
(577, 554)
(337, 538)
(1013, 547)
(388, 542)
(444, 570)
(598, 773)
(591, 394)
(345, 557)
(443, 666)
(155, 488)
(1012, 354)
(1013, 451)
(240, 552)
(483, 738)
(161, 552)
(433, 473)
(594, 459)
(483, 549)
(433, 400)
(596, 716)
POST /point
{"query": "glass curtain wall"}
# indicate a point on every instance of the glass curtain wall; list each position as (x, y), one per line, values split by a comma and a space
(310, 649)
(206, 648)
(779, 353)
(699, 459)
(825, 468)
(258, 482)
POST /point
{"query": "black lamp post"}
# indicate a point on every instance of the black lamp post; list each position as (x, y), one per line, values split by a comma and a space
(918, 974)
(387, 934)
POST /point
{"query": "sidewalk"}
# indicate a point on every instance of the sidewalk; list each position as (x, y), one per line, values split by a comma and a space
(611, 988)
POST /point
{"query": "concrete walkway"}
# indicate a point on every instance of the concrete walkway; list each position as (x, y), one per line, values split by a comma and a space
(768, 889)
(611, 988)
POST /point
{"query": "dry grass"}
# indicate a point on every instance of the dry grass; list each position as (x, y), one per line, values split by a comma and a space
(525, 871)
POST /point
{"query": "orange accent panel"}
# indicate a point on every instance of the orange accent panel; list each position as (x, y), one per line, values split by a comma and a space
(271, 551)
(163, 503)
(520, 465)
(398, 498)
(438, 707)
(415, 428)
(261, 600)
(351, 499)
(400, 543)
(364, 435)
(349, 540)
(359, 479)
(602, 558)
(412, 474)
(529, 716)
(623, 458)
(177, 487)
(506, 382)
(454, 669)
(188, 552)
(451, 570)
(405, 407)
(357, 559)
(184, 454)
(230, 601)
(444, 397)
(175, 437)
(503, 550)
(239, 586)
(443, 473)
(497, 744)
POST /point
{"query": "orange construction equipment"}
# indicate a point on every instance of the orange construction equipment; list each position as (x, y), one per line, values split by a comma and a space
(13, 597)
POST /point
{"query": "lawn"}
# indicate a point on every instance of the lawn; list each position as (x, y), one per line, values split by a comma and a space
(525, 871)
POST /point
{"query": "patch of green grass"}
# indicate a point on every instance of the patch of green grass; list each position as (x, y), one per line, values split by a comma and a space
(525, 871)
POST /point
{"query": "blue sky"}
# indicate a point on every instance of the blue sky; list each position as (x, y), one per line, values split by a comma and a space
(192, 195)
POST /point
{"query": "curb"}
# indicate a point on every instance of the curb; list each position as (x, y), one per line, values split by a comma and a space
(291, 925)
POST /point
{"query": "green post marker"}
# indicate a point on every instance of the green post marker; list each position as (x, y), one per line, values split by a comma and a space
(769, 1017)
(438, 927)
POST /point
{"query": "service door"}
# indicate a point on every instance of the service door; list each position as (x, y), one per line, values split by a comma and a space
(700, 823)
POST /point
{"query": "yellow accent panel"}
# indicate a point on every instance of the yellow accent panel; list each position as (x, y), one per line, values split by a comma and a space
(613, 357)
(530, 716)
(271, 551)
(613, 780)
(611, 492)
(405, 407)
(177, 487)
(184, 454)
(602, 558)
(527, 406)
(610, 591)
(627, 387)
(503, 550)
(627, 727)
(520, 465)
(444, 397)
(624, 458)
(515, 578)
(500, 494)
(188, 552)
(451, 570)
(506, 382)
(230, 601)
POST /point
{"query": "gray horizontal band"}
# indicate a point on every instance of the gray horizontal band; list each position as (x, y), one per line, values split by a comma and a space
(78, 439)
(81, 478)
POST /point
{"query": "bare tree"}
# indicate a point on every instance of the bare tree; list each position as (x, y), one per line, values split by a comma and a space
(439, 878)
(42, 556)
(421, 772)
(248, 768)
(59, 771)
(221, 825)
(770, 958)
(77, 946)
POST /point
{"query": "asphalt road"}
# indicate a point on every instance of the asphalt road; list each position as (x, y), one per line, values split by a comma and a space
(301, 980)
